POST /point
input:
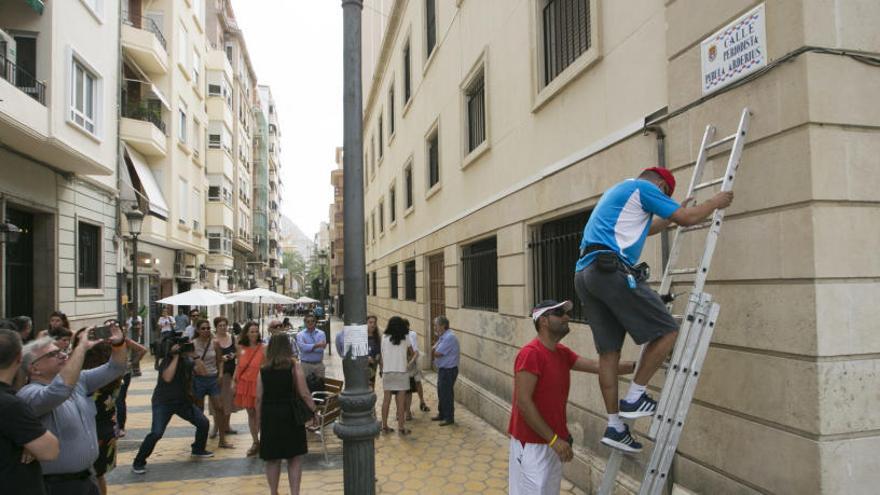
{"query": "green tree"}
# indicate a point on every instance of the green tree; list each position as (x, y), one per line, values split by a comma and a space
(296, 267)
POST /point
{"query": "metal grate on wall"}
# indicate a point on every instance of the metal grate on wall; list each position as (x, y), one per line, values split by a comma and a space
(566, 34)
(479, 263)
(554, 248)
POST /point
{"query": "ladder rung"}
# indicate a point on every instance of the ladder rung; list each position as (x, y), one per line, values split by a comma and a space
(704, 185)
(682, 271)
(702, 225)
(721, 141)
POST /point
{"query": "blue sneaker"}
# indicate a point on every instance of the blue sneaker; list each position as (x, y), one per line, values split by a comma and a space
(621, 440)
(645, 406)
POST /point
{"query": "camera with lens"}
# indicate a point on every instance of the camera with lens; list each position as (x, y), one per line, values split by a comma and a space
(176, 339)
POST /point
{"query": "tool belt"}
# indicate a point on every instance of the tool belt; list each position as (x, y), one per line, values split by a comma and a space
(609, 262)
(60, 478)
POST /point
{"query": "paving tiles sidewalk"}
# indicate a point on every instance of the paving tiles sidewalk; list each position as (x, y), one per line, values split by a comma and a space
(469, 457)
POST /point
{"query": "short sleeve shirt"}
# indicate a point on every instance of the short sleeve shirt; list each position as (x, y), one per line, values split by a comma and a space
(18, 427)
(622, 220)
(553, 369)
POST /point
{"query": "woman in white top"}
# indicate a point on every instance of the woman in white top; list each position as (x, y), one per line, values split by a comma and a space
(396, 356)
(166, 322)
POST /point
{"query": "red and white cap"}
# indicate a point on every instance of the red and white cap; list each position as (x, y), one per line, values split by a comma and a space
(548, 305)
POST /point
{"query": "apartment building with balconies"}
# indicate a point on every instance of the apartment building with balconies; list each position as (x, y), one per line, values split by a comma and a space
(337, 234)
(224, 34)
(163, 124)
(275, 185)
(58, 144)
(500, 124)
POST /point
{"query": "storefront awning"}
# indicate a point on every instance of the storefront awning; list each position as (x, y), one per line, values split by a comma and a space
(157, 205)
(37, 5)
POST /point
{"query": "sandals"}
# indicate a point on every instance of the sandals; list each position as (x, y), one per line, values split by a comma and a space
(386, 429)
(424, 407)
(254, 449)
(225, 445)
(405, 431)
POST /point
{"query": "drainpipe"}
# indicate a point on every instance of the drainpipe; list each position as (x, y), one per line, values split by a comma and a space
(661, 162)
(120, 244)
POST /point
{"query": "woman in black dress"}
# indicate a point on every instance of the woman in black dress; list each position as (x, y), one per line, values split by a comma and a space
(280, 378)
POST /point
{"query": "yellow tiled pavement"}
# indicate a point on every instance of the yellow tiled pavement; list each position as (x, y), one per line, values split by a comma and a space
(469, 457)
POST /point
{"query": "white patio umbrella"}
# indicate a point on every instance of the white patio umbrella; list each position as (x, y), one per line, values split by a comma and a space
(305, 300)
(260, 296)
(197, 297)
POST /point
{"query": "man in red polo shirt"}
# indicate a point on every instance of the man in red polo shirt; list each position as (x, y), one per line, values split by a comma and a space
(539, 437)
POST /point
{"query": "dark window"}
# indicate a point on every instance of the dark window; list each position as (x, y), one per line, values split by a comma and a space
(392, 281)
(89, 256)
(479, 263)
(407, 76)
(409, 280)
(566, 34)
(476, 111)
(392, 204)
(407, 180)
(433, 159)
(374, 284)
(381, 217)
(555, 250)
(381, 141)
(391, 110)
(430, 26)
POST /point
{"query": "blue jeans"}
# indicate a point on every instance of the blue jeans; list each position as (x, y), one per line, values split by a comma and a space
(121, 409)
(162, 414)
(446, 393)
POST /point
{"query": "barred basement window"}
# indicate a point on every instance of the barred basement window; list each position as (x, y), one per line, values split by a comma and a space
(566, 34)
(392, 281)
(409, 280)
(89, 259)
(479, 263)
(555, 247)
(475, 101)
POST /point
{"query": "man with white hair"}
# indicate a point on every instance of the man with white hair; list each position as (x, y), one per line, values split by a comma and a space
(58, 392)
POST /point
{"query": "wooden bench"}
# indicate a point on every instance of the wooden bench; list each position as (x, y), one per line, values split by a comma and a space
(327, 409)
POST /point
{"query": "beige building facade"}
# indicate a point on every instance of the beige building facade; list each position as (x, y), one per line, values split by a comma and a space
(58, 181)
(492, 128)
(337, 233)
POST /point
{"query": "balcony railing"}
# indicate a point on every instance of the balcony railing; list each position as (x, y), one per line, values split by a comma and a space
(22, 80)
(142, 22)
(141, 111)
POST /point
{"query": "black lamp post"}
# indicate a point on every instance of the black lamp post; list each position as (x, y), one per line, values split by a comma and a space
(135, 222)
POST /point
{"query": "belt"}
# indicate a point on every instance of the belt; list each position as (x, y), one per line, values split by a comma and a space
(311, 362)
(59, 478)
(594, 247)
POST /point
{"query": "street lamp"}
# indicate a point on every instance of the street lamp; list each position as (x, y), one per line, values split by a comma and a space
(135, 222)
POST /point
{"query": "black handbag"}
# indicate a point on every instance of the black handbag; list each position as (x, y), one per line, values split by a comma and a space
(301, 412)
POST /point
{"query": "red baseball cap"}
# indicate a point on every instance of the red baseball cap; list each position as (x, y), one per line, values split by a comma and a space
(666, 175)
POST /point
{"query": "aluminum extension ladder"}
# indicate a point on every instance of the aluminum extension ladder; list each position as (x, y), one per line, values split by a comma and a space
(696, 327)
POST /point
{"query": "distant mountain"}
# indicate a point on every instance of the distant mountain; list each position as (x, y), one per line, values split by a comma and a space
(293, 237)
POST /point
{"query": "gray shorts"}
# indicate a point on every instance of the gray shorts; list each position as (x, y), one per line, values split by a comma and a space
(613, 309)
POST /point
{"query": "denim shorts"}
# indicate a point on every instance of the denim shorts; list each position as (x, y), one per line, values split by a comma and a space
(205, 385)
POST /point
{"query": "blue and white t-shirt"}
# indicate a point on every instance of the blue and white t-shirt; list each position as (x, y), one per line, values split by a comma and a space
(622, 219)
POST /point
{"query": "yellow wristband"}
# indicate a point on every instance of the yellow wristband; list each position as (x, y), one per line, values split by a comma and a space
(553, 440)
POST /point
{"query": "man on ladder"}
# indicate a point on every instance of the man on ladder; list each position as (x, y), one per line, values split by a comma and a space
(614, 291)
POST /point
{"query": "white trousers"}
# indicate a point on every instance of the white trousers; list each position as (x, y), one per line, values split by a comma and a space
(533, 469)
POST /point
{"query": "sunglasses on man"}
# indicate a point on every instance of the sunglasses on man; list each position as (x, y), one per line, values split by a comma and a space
(57, 353)
(559, 312)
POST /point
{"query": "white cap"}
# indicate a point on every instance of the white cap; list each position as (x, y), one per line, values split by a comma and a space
(547, 305)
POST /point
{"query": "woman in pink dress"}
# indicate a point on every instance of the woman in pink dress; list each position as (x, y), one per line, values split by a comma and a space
(250, 359)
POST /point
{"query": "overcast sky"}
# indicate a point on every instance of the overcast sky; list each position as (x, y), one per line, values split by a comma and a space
(296, 48)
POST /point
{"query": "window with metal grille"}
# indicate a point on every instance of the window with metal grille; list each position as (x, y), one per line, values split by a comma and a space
(390, 111)
(89, 261)
(374, 284)
(566, 26)
(475, 101)
(479, 264)
(407, 180)
(554, 247)
(407, 73)
(392, 281)
(409, 280)
(430, 27)
(433, 158)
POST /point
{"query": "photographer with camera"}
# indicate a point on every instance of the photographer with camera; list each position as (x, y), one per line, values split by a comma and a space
(58, 392)
(173, 395)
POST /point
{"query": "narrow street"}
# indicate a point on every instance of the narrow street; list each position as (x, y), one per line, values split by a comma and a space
(467, 458)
